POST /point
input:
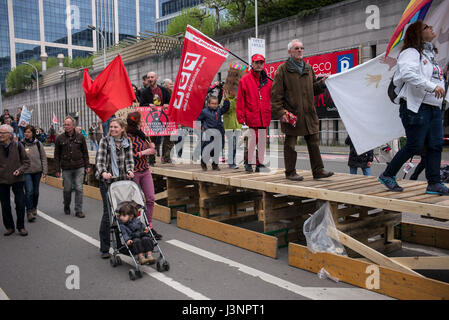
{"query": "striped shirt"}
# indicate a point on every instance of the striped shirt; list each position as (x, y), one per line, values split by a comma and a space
(140, 164)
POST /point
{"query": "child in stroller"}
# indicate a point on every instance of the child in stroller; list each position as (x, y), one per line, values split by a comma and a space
(134, 232)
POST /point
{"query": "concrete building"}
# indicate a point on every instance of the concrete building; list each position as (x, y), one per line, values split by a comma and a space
(30, 29)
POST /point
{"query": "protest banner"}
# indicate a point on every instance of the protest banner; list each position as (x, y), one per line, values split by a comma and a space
(156, 122)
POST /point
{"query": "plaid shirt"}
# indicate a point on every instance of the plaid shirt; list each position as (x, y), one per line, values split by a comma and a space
(125, 160)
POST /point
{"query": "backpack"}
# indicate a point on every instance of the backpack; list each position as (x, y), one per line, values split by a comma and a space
(392, 90)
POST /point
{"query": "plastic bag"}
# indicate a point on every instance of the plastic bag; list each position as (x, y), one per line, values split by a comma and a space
(316, 229)
(323, 274)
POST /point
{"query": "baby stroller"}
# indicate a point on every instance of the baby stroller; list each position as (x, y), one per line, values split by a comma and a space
(127, 190)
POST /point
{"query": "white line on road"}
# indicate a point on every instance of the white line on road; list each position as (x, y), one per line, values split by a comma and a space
(308, 292)
(3, 295)
(151, 272)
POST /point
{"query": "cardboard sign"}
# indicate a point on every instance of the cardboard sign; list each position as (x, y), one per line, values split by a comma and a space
(232, 81)
(123, 113)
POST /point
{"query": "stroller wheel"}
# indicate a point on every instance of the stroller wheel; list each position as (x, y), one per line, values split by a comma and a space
(139, 274)
(166, 265)
(113, 261)
(132, 274)
(118, 260)
(158, 266)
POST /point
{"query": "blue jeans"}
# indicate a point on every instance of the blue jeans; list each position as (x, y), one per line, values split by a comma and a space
(70, 177)
(32, 181)
(93, 145)
(422, 128)
(21, 133)
(232, 136)
(19, 200)
(366, 171)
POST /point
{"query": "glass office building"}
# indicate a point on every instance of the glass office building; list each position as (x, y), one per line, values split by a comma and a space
(169, 9)
(31, 28)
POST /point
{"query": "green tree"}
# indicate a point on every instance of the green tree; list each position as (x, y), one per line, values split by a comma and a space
(217, 6)
(196, 18)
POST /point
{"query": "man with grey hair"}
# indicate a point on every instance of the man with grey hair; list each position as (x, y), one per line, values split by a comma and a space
(168, 84)
(13, 163)
(71, 155)
(293, 91)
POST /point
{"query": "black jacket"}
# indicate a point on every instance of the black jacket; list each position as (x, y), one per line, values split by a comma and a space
(211, 119)
(358, 161)
(146, 96)
(71, 152)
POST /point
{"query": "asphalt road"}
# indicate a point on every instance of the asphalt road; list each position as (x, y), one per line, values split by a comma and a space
(60, 259)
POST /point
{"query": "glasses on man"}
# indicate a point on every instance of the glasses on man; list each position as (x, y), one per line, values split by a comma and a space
(425, 27)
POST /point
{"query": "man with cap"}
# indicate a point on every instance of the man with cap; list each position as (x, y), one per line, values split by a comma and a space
(294, 88)
(254, 110)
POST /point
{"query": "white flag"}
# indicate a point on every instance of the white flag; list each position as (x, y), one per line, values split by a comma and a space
(360, 94)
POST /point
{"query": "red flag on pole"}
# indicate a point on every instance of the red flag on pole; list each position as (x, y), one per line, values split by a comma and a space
(110, 91)
(54, 120)
(201, 58)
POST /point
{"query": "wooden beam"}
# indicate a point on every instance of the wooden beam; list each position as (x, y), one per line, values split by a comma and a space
(369, 276)
(423, 234)
(367, 252)
(162, 213)
(243, 238)
(160, 195)
(421, 263)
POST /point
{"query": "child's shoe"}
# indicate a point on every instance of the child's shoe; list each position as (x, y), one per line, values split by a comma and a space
(150, 259)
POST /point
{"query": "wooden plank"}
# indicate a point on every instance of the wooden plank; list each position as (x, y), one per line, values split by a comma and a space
(421, 263)
(367, 252)
(88, 191)
(243, 238)
(162, 213)
(437, 237)
(160, 195)
(362, 200)
(369, 276)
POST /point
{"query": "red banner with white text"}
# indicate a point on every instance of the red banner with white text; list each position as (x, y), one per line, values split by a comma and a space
(200, 61)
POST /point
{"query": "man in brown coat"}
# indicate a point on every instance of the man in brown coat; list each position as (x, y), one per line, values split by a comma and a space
(294, 88)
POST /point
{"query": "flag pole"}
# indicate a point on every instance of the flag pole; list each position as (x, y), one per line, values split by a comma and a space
(230, 52)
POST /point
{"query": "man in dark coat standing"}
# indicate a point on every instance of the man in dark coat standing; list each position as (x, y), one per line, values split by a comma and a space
(294, 88)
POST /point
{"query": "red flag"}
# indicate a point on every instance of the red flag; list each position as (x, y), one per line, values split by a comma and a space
(201, 59)
(110, 91)
(55, 120)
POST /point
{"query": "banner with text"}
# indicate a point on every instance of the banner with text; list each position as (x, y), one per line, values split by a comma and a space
(201, 59)
(156, 122)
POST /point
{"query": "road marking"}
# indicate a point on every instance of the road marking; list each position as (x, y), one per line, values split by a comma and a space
(3, 295)
(150, 271)
(308, 292)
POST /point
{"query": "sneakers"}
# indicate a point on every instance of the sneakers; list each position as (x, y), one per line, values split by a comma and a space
(23, 232)
(67, 211)
(150, 259)
(437, 188)
(8, 232)
(262, 168)
(105, 255)
(390, 183)
(248, 168)
(322, 174)
(233, 166)
(215, 167)
(30, 216)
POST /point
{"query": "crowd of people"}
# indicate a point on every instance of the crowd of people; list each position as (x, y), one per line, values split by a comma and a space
(123, 151)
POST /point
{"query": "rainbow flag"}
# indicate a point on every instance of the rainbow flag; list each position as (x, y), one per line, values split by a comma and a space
(416, 10)
(239, 67)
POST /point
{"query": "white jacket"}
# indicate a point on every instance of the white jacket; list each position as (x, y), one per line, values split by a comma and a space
(415, 73)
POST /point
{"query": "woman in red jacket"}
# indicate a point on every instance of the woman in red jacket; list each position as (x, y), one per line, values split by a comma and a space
(254, 110)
